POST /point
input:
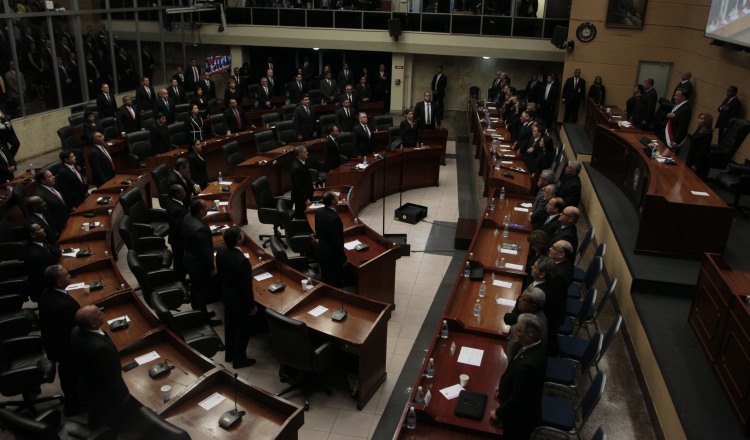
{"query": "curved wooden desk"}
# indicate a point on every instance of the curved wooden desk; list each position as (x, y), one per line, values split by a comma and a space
(674, 220)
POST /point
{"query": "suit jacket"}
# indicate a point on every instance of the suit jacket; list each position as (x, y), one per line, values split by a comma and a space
(164, 107)
(570, 190)
(57, 210)
(181, 78)
(344, 79)
(680, 122)
(295, 94)
(190, 81)
(198, 170)
(209, 89)
(70, 186)
(230, 120)
(57, 312)
(176, 212)
(99, 381)
(36, 259)
(548, 105)
(687, 86)
(144, 101)
(361, 142)
(548, 225)
(438, 86)
(5, 163)
(235, 278)
(521, 393)
(353, 100)
(198, 245)
(160, 139)
(177, 97)
(331, 154)
(564, 274)
(343, 122)
(577, 94)
(535, 92)
(127, 122)
(106, 109)
(237, 94)
(263, 96)
(734, 107)
(420, 115)
(329, 91)
(187, 184)
(409, 133)
(362, 92)
(101, 168)
(304, 122)
(49, 230)
(567, 233)
(649, 100)
(302, 186)
(329, 230)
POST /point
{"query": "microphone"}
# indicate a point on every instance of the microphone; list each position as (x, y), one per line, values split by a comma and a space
(340, 314)
(229, 418)
(96, 285)
(174, 366)
(84, 253)
(278, 287)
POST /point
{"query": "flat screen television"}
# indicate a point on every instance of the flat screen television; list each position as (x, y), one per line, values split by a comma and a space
(729, 21)
(218, 64)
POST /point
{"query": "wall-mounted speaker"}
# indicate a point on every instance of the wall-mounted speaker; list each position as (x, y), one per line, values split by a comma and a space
(394, 28)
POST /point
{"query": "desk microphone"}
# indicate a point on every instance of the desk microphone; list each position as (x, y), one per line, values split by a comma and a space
(278, 287)
(96, 285)
(340, 314)
(229, 418)
(84, 253)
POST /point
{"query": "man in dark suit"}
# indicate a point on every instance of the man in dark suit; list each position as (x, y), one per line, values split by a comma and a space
(234, 117)
(181, 176)
(685, 85)
(438, 85)
(329, 87)
(209, 87)
(424, 112)
(164, 105)
(176, 212)
(363, 90)
(522, 383)
(304, 120)
(408, 130)
(57, 312)
(331, 152)
(38, 256)
(302, 186)
(236, 281)
(539, 212)
(100, 382)
(128, 116)
(561, 252)
(346, 116)
(176, 93)
(678, 121)
(264, 95)
(180, 77)
(100, 161)
(160, 139)
(126, 74)
(570, 184)
(69, 180)
(297, 89)
(198, 259)
(381, 87)
(730, 108)
(57, 209)
(524, 132)
(650, 98)
(37, 214)
(145, 96)
(567, 230)
(329, 231)
(362, 137)
(351, 95)
(192, 75)
(67, 86)
(308, 69)
(8, 137)
(550, 94)
(8, 165)
(147, 62)
(346, 76)
(550, 221)
(573, 94)
(106, 103)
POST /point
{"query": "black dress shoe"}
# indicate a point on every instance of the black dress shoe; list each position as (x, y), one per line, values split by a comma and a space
(243, 363)
(215, 322)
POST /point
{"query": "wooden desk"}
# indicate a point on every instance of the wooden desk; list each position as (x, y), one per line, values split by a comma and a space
(282, 301)
(215, 159)
(374, 268)
(142, 321)
(235, 196)
(511, 206)
(167, 158)
(103, 270)
(430, 429)
(436, 138)
(485, 248)
(363, 332)
(90, 203)
(673, 220)
(73, 231)
(97, 247)
(268, 417)
(460, 306)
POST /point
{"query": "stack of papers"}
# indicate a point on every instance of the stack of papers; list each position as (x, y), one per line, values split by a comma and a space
(72, 252)
(512, 266)
(127, 318)
(352, 244)
(262, 276)
(471, 356)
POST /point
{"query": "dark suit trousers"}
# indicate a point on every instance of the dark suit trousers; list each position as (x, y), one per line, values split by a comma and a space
(200, 289)
(237, 326)
(118, 416)
(68, 372)
(571, 110)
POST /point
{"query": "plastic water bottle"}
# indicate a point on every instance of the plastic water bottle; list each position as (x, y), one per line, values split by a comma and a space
(471, 255)
(419, 398)
(506, 220)
(492, 204)
(502, 193)
(477, 309)
(309, 283)
(32, 170)
(220, 179)
(411, 419)
(430, 371)
(467, 270)
(506, 232)
(502, 263)
(444, 330)
(493, 277)
(482, 289)
(365, 161)
(497, 232)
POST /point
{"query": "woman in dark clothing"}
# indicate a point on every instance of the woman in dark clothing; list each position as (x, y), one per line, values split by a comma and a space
(232, 92)
(598, 91)
(699, 156)
(545, 158)
(194, 124)
(200, 101)
(408, 130)
(198, 165)
(90, 125)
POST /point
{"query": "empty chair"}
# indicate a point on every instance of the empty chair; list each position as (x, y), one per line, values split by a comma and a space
(560, 416)
(284, 125)
(583, 247)
(300, 359)
(293, 227)
(346, 151)
(297, 262)
(107, 122)
(394, 137)
(159, 175)
(344, 137)
(264, 141)
(155, 281)
(53, 167)
(147, 114)
(76, 119)
(737, 181)
(577, 290)
(574, 348)
(177, 135)
(326, 121)
(573, 323)
(182, 108)
(148, 221)
(46, 426)
(288, 110)
(19, 198)
(15, 320)
(382, 122)
(735, 133)
(266, 205)
(579, 273)
(213, 106)
(287, 136)
(139, 145)
(232, 153)
(217, 125)
(23, 370)
(474, 92)
(112, 132)
(148, 124)
(317, 97)
(153, 426)
(562, 371)
(603, 302)
(150, 248)
(91, 107)
(192, 326)
(269, 118)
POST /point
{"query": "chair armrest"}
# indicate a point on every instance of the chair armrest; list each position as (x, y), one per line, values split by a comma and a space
(268, 216)
(286, 200)
(18, 381)
(161, 277)
(300, 226)
(324, 356)
(151, 243)
(23, 345)
(299, 263)
(189, 319)
(51, 417)
(158, 215)
(735, 168)
(144, 229)
(151, 262)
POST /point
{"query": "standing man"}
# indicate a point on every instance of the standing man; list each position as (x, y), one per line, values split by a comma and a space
(198, 259)
(161, 142)
(685, 85)
(570, 184)
(181, 176)
(574, 92)
(38, 255)
(164, 105)
(302, 186)
(236, 281)
(331, 152)
(57, 317)
(57, 209)
(362, 137)
(520, 389)
(8, 165)
(730, 108)
(106, 103)
(147, 62)
(297, 89)
(351, 96)
(649, 98)
(382, 87)
(424, 112)
(8, 138)
(304, 120)
(264, 95)
(179, 76)
(128, 116)
(549, 96)
(346, 76)
(176, 212)
(100, 161)
(15, 85)
(208, 86)
(438, 85)
(192, 75)
(329, 231)
(175, 91)
(329, 87)
(234, 117)
(346, 116)
(69, 180)
(363, 90)
(678, 121)
(145, 96)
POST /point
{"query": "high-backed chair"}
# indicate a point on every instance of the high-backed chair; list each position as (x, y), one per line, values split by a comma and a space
(737, 181)
(578, 290)
(24, 367)
(293, 347)
(177, 134)
(317, 97)
(561, 416)
(53, 167)
(474, 92)
(579, 273)
(212, 106)
(107, 122)
(68, 141)
(284, 125)
(16, 320)
(394, 138)
(112, 132)
(149, 248)
(590, 234)
(19, 198)
(147, 114)
(269, 118)
(182, 108)
(287, 136)
(153, 426)
(46, 426)
(735, 133)
(383, 121)
(148, 124)
(162, 282)
(160, 175)
(148, 221)
(139, 147)
(266, 203)
(326, 121)
(76, 119)
(232, 153)
(562, 371)
(217, 125)
(264, 141)
(192, 326)
(298, 262)
(344, 137)
(289, 111)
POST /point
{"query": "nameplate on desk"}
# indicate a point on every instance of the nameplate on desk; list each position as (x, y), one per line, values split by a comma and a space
(317, 311)
(211, 401)
(521, 209)
(699, 193)
(471, 356)
(508, 251)
(505, 302)
(504, 284)
(146, 358)
(262, 276)
(512, 266)
(507, 162)
(72, 253)
(526, 205)
(75, 286)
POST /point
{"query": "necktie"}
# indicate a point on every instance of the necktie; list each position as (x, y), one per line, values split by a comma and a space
(176, 93)
(166, 104)
(265, 90)
(307, 109)
(57, 194)
(107, 95)
(347, 112)
(75, 171)
(106, 154)
(329, 82)
(428, 114)
(367, 130)
(5, 158)
(299, 84)
(132, 113)
(237, 116)
(195, 74)
(148, 92)
(349, 97)
(575, 83)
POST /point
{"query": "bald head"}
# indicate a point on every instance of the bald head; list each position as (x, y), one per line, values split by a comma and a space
(36, 204)
(570, 215)
(89, 317)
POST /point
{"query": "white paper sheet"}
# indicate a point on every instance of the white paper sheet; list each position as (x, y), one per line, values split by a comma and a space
(505, 302)
(127, 318)
(508, 251)
(521, 209)
(72, 253)
(699, 193)
(146, 358)
(352, 244)
(506, 162)
(317, 311)
(527, 205)
(262, 276)
(452, 391)
(505, 284)
(512, 266)
(471, 356)
(75, 286)
(211, 401)
(316, 205)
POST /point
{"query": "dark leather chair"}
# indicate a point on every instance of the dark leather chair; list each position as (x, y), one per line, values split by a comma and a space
(394, 138)
(382, 122)
(232, 153)
(217, 125)
(192, 326)
(737, 181)
(212, 106)
(76, 119)
(19, 198)
(346, 151)
(298, 262)
(53, 167)
(156, 281)
(153, 426)
(270, 118)
(159, 175)
(284, 125)
(326, 121)
(292, 344)
(149, 248)
(147, 114)
(46, 426)
(112, 132)
(148, 124)
(177, 134)
(317, 97)
(69, 142)
(474, 92)
(286, 137)
(734, 134)
(91, 107)
(289, 111)
(267, 211)
(264, 141)
(15, 320)
(107, 122)
(182, 108)
(252, 91)
(24, 367)
(12, 241)
(139, 147)
(148, 221)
